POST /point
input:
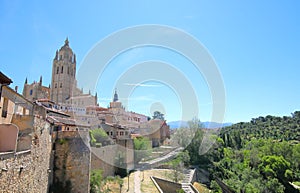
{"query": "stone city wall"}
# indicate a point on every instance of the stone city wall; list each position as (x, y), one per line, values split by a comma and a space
(28, 171)
(72, 159)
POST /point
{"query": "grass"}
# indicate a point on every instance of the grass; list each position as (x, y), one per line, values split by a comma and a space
(201, 188)
(147, 185)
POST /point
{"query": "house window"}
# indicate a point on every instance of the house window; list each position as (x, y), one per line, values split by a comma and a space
(55, 85)
(60, 85)
(62, 69)
(30, 92)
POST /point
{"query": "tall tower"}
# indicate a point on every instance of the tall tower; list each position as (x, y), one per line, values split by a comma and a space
(116, 98)
(63, 74)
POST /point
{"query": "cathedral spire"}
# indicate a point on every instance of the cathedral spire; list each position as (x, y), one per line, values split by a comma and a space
(67, 42)
(116, 98)
(25, 81)
(41, 80)
(96, 99)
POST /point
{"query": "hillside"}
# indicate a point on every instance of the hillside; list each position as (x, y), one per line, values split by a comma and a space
(262, 155)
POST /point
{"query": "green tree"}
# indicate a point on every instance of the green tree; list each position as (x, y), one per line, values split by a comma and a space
(142, 147)
(99, 134)
(95, 181)
(274, 166)
(98, 137)
(158, 115)
(177, 168)
(184, 157)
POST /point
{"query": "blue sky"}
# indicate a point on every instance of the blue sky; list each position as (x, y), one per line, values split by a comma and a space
(256, 45)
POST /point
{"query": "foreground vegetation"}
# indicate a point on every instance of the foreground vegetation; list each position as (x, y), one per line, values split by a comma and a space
(262, 155)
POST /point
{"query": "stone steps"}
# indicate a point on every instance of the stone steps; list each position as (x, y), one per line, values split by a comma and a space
(187, 188)
(186, 182)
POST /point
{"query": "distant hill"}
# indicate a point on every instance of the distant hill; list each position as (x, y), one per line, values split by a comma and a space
(177, 124)
(207, 124)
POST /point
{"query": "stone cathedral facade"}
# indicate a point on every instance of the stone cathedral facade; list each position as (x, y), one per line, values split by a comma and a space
(63, 82)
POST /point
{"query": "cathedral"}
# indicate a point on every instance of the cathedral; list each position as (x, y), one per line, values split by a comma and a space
(63, 90)
(66, 97)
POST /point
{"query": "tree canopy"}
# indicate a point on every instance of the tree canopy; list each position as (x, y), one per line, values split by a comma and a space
(262, 155)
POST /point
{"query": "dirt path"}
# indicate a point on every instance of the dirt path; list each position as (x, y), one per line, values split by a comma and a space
(137, 182)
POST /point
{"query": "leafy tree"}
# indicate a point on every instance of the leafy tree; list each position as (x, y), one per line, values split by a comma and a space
(158, 115)
(177, 167)
(274, 166)
(95, 181)
(182, 137)
(98, 137)
(142, 147)
(184, 157)
(262, 155)
(99, 134)
(273, 185)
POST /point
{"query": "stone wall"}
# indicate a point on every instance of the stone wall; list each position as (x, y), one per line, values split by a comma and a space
(71, 162)
(163, 185)
(108, 169)
(28, 171)
(109, 158)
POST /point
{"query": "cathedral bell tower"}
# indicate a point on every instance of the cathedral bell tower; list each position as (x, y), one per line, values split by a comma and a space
(63, 74)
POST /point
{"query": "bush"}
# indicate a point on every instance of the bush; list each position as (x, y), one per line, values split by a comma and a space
(97, 136)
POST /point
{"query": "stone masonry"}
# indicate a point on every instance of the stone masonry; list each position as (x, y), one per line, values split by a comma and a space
(28, 171)
(72, 160)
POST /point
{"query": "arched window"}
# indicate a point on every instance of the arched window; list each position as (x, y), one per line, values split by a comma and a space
(62, 69)
(57, 70)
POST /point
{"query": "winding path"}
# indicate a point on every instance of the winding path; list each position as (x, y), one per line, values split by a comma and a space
(137, 182)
